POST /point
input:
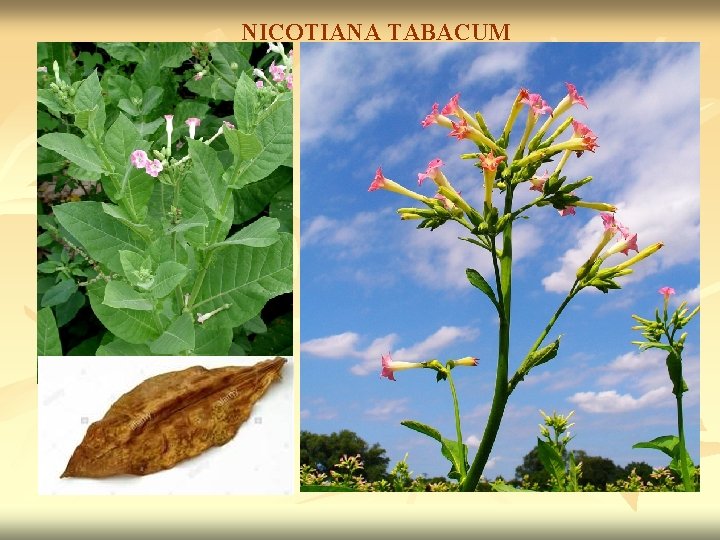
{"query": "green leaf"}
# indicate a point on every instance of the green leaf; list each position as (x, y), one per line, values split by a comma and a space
(151, 99)
(252, 199)
(179, 337)
(87, 347)
(119, 294)
(125, 52)
(48, 337)
(168, 276)
(260, 233)
(173, 54)
(278, 339)
(423, 428)
(88, 98)
(281, 207)
(213, 340)
(666, 444)
(244, 146)
(198, 219)
(59, 293)
(133, 326)
(118, 347)
(454, 452)
(208, 171)
(552, 461)
(67, 310)
(121, 139)
(81, 174)
(48, 161)
(674, 367)
(245, 104)
(476, 280)
(101, 235)
(192, 201)
(73, 148)
(275, 132)
(148, 128)
(134, 265)
(121, 215)
(245, 278)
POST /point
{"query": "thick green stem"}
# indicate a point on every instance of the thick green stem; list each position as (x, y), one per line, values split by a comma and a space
(687, 474)
(503, 277)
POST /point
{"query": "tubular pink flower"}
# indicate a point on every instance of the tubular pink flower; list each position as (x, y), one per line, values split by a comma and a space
(489, 162)
(192, 124)
(609, 222)
(431, 172)
(467, 361)
(567, 211)
(153, 168)
(460, 130)
(386, 370)
(169, 128)
(432, 117)
(389, 367)
(537, 104)
(379, 180)
(589, 139)
(629, 244)
(666, 292)
(538, 182)
(139, 159)
(452, 106)
(574, 96)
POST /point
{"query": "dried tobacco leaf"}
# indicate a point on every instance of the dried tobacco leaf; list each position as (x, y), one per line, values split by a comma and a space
(171, 417)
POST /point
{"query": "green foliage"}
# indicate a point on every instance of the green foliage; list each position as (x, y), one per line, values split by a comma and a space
(135, 264)
(323, 452)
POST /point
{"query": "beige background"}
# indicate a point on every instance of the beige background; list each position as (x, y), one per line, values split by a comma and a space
(320, 514)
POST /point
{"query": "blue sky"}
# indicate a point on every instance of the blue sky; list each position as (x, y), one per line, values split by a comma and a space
(372, 284)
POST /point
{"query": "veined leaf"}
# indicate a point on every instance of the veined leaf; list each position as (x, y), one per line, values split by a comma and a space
(454, 452)
(244, 146)
(121, 139)
(67, 310)
(100, 234)
(89, 99)
(121, 215)
(133, 265)
(245, 103)
(552, 461)
(275, 133)
(59, 293)
(119, 294)
(261, 233)
(208, 170)
(476, 280)
(281, 207)
(198, 219)
(245, 278)
(212, 340)
(252, 199)
(73, 148)
(125, 52)
(179, 337)
(133, 326)
(48, 338)
(168, 276)
(118, 347)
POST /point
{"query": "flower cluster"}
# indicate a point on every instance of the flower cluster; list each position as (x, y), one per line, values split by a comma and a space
(140, 160)
(281, 74)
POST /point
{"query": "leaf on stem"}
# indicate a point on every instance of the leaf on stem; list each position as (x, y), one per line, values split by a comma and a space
(48, 338)
(479, 282)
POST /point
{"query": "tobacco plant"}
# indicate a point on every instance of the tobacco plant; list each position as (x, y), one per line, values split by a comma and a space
(177, 237)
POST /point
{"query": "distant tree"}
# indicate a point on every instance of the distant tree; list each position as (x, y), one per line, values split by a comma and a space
(596, 470)
(324, 451)
(532, 467)
(642, 469)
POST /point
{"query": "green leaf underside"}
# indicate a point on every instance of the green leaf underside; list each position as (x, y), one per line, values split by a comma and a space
(261, 233)
(48, 338)
(179, 337)
(133, 326)
(73, 148)
(118, 347)
(100, 234)
(245, 278)
(119, 294)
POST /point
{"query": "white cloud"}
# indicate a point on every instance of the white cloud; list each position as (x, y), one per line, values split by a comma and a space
(346, 345)
(343, 234)
(497, 61)
(473, 441)
(319, 410)
(386, 409)
(611, 402)
(647, 163)
(692, 297)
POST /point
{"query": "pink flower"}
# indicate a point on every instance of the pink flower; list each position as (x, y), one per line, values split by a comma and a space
(153, 168)
(460, 130)
(199, 75)
(139, 159)
(259, 84)
(609, 222)
(629, 244)
(666, 292)
(538, 182)
(169, 128)
(574, 97)
(379, 180)
(277, 72)
(386, 369)
(229, 125)
(537, 104)
(192, 124)
(289, 81)
(432, 117)
(431, 171)
(589, 139)
(452, 106)
(490, 162)
(467, 361)
(567, 211)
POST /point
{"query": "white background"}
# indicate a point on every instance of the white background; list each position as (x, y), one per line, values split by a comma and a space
(74, 392)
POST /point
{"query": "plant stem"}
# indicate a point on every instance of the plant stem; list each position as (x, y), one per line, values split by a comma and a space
(456, 407)
(687, 476)
(503, 277)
